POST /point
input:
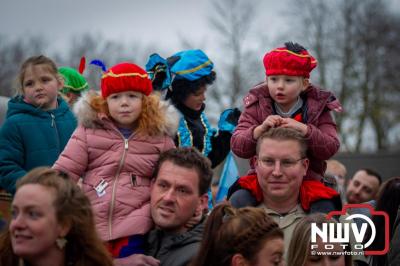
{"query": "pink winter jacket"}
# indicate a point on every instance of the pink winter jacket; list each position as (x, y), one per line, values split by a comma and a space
(98, 151)
(321, 135)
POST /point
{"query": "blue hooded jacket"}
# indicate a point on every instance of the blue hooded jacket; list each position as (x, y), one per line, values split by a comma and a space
(31, 137)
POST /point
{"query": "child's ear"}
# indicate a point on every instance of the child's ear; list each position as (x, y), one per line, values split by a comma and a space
(60, 80)
(306, 83)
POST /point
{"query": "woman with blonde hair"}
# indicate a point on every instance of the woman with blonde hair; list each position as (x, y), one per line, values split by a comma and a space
(52, 224)
(246, 236)
(300, 253)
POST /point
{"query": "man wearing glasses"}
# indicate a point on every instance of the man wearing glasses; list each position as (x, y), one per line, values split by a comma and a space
(281, 165)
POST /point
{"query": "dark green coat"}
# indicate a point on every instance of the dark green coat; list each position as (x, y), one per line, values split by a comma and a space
(31, 137)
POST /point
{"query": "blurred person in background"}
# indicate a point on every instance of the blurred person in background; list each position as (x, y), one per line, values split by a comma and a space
(363, 186)
(337, 171)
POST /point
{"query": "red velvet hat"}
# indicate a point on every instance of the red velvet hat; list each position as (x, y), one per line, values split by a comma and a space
(282, 61)
(125, 77)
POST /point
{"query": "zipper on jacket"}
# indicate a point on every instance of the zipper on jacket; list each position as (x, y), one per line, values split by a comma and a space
(52, 120)
(53, 124)
(121, 162)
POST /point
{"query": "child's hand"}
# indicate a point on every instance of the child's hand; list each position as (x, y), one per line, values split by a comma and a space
(269, 122)
(272, 121)
(194, 220)
(291, 123)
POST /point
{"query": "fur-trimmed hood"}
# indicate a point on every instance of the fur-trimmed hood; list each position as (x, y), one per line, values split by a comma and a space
(90, 118)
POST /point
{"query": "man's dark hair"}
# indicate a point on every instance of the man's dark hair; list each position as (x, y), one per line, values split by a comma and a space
(373, 173)
(190, 158)
(182, 88)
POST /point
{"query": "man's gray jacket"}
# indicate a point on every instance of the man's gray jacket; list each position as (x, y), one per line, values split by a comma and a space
(175, 249)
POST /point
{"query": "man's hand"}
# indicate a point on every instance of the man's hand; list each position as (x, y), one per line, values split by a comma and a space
(137, 260)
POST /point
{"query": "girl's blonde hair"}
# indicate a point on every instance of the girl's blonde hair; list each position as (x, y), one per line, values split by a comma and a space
(34, 61)
(151, 121)
(300, 244)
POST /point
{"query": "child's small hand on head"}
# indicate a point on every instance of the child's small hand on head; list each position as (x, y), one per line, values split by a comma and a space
(269, 122)
(291, 123)
(197, 216)
(272, 121)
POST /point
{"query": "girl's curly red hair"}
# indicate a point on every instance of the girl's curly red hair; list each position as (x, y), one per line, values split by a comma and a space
(151, 121)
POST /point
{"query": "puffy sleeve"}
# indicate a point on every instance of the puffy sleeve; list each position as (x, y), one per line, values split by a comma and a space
(12, 156)
(74, 158)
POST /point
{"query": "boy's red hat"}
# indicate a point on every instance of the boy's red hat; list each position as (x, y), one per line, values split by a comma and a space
(125, 77)
(282, 61)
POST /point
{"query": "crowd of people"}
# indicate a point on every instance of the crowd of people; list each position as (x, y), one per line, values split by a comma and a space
(122, 175)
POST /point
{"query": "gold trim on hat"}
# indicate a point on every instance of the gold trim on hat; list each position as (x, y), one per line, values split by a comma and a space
(183, 72)
(73, 88)
(113, 75)
(293, 53)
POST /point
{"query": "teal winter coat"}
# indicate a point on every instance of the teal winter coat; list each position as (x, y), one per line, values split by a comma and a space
(31, 137)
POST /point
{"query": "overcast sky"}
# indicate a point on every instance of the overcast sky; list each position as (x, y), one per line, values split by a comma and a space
(122, 20)
(117, 19)
(128, 20)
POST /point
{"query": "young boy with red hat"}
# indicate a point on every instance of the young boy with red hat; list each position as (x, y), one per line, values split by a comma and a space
(288, 99)
(115, 148)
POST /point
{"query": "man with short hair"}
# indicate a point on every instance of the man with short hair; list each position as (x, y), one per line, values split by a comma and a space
(182, 178)
(363, 186)
(281, 165)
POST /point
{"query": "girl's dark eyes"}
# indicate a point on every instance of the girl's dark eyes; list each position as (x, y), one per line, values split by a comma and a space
(33, 214)
(27, 84)
(335, 257)
(14, 213)
(314, 258)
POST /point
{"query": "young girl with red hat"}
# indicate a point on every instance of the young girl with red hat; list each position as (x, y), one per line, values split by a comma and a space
(288, 99)
(120, 136)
